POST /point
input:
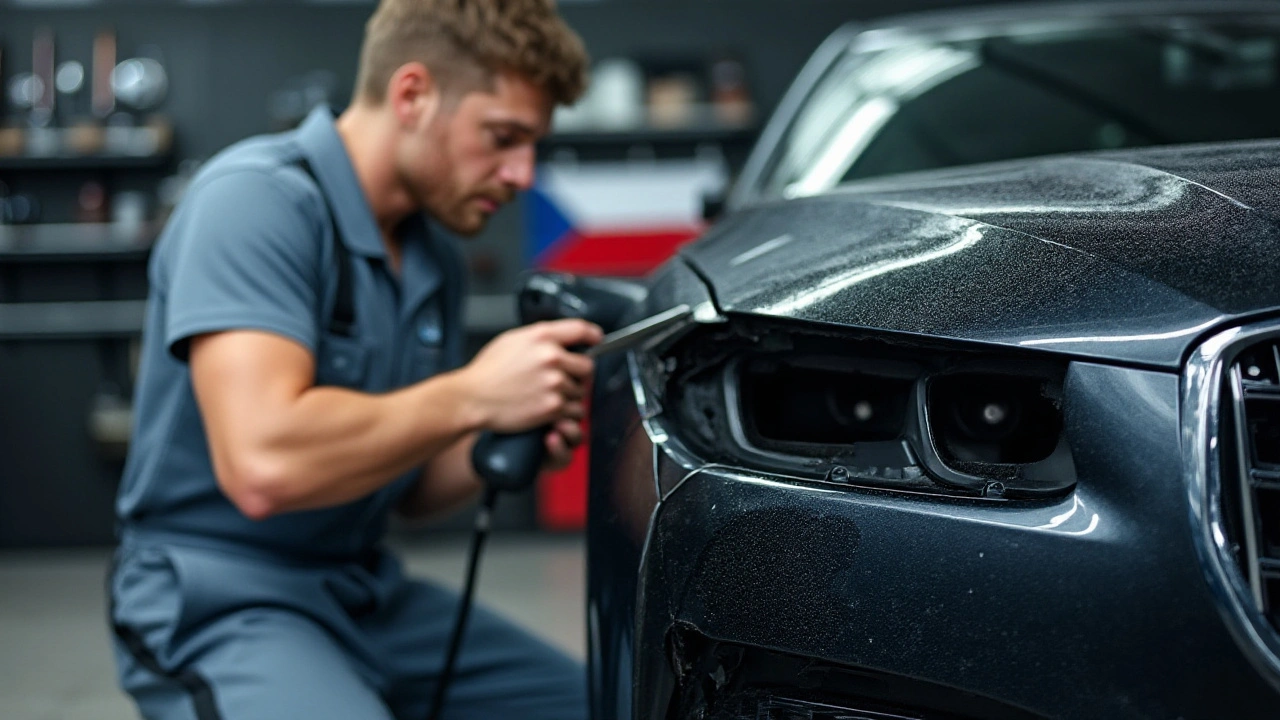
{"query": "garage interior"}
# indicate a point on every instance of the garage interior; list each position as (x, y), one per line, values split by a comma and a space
(72, 274)
(681, 90)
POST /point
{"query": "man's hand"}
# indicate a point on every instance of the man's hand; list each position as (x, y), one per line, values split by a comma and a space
(527, 377)
(563, 439)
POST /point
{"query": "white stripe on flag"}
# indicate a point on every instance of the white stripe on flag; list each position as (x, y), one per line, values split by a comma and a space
(632, 194)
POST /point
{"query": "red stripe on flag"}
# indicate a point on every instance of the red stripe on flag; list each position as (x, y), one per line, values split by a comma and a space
(618, 253)
(562, 496)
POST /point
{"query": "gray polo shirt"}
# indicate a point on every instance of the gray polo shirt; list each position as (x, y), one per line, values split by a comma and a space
(251, 247)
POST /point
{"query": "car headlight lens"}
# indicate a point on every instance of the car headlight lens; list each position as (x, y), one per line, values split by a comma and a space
(992, 418)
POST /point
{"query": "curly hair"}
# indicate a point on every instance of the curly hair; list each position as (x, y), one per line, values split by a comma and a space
(464, 43)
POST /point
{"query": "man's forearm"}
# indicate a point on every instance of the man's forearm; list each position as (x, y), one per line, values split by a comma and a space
(280, 444)
(331, 445)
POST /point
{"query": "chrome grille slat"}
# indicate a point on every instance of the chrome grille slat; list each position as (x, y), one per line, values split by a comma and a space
(1265, 478)
(1256, 404)
(1248, 511)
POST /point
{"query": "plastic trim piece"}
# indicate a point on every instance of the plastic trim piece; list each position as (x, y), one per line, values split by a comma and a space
(1202, 461)
(650, 408)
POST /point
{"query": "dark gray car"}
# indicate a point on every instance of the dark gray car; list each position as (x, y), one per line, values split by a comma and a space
(994, 441)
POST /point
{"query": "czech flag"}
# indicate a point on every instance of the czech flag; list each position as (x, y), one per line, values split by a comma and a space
(617, 218)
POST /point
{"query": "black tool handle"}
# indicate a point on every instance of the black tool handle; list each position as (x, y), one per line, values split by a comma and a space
(510, 461)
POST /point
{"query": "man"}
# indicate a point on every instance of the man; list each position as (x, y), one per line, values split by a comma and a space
(300, 380)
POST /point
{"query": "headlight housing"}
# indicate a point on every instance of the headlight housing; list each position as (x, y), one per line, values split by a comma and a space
(875, 409)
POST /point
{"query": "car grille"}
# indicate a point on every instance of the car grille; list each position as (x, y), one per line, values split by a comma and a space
(1231, 450)
(1251, 479)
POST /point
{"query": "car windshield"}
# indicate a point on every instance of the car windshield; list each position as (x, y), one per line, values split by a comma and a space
(915, 105)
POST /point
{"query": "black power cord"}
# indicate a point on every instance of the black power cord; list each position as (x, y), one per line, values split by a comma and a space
(484, 521)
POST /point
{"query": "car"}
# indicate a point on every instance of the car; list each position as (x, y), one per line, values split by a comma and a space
(975, 413)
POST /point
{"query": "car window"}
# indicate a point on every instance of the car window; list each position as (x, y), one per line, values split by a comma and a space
(921, 105)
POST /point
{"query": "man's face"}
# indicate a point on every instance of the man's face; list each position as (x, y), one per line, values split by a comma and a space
(466, 160)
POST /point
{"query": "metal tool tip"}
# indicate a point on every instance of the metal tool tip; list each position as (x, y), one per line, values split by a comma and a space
(707, 313)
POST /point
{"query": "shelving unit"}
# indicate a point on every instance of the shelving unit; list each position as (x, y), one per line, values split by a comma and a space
(604, 144)
(19, 163)
(648, 135)
(75, 242)
(72, 307)
(94, 320)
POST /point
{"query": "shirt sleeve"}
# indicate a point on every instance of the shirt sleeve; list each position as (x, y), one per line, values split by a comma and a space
(245, 255)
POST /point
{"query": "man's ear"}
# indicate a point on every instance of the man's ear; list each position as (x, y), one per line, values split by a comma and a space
(414, 95)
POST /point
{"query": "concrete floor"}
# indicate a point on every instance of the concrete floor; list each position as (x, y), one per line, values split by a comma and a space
(55, 661)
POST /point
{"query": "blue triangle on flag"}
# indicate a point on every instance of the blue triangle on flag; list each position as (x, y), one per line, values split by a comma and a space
(545, 223)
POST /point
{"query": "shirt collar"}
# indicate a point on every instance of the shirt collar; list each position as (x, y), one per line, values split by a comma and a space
(420, 267)
(421, 271)
(327, 154)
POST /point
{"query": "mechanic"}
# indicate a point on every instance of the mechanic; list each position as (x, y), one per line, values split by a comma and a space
(301, 378)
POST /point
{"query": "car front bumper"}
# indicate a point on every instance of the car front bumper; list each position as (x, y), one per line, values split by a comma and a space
(720, 592)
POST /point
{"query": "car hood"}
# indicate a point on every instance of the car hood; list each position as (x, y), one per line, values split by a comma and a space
(1127, 256)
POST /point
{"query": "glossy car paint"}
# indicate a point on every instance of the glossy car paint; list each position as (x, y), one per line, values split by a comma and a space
(1130, 256)
(1093, 604)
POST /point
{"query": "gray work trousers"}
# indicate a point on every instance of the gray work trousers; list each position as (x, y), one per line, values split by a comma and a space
(208, 634)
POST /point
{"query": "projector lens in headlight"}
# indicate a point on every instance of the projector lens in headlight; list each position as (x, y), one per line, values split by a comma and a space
(990, 418)
(788, 403)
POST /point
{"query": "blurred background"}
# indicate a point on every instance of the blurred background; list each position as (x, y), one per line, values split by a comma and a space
(108, 108)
